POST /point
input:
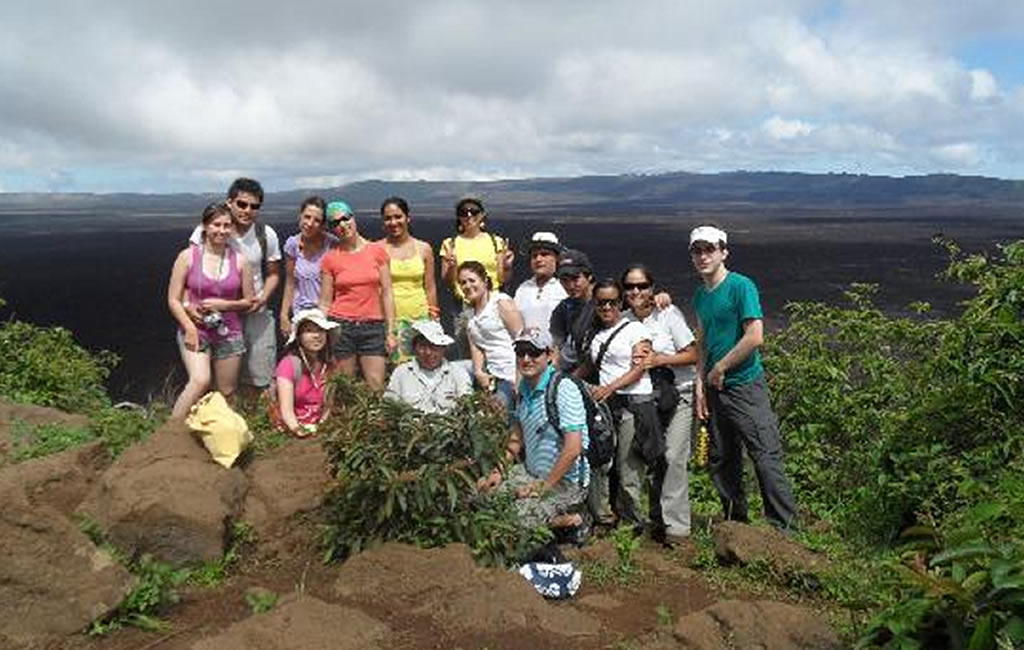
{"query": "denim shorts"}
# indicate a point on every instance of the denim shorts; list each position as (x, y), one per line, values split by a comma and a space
(364, 338)
(220, 348)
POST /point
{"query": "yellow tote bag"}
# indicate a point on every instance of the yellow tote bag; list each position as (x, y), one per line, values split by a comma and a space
(224, 432)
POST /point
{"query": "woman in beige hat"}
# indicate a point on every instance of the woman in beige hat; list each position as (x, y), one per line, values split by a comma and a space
(301, 376)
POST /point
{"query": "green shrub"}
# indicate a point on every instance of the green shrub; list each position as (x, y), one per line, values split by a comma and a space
(889, 421)
(408, 476)
(45, 366)
(118, 428)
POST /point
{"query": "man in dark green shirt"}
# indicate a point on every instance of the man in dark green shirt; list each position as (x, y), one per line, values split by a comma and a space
(730, 386)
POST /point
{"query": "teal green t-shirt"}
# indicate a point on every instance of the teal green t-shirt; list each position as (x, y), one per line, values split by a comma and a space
(721, 312)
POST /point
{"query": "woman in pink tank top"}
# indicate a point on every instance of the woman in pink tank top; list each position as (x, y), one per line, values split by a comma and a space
(210, 284)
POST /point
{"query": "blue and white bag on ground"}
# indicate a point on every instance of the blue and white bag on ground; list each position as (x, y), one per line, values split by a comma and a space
(555, 581)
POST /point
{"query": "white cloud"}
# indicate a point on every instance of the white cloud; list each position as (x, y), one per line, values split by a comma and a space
(780, 129)
(190, 93)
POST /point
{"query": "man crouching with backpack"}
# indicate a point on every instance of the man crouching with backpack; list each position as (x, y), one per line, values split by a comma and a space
(551, 484)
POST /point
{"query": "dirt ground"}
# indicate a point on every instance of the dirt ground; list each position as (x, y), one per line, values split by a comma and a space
(633, 613)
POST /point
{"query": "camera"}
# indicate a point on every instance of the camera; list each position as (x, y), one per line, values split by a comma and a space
(215, 321)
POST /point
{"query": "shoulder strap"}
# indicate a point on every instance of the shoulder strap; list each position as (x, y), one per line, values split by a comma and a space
(604, 346)
(296, 370)
(551, 402)
(494, 241)
(261, 237)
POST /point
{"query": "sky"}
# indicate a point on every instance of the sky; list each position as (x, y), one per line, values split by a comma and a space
(144, 96)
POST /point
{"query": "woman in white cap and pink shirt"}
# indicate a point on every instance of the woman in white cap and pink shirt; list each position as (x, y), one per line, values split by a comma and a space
(301, 375)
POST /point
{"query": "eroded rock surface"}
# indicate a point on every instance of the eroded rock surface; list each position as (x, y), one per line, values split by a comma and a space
(53, 580)
(301, 622)
(742, 544)
(289, 481)
(758, 625)
(165, 496)
(445, 586)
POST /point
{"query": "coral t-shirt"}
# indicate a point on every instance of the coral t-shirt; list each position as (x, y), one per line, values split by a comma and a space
(356, 277)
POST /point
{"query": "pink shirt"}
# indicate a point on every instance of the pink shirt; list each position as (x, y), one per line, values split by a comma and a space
(309, 394)
(356, 279)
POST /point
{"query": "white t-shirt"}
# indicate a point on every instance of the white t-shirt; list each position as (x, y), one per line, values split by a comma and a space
(487, 332)
(536, 303)
(619, 357)
(249, 247)
(669, 334)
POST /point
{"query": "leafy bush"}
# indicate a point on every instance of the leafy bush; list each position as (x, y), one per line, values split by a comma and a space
(408, 476)
(890, 421)
(958, 590)
(45, 366)
(118, 428)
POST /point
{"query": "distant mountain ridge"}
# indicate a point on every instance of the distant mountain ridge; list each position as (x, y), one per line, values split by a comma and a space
(676, 190)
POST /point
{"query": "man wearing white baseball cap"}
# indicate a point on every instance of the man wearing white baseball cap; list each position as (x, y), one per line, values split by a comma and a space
(428, 382)
(538, 295)
(730, 387)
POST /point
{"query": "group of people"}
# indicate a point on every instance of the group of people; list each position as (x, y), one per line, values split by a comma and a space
(360, 307)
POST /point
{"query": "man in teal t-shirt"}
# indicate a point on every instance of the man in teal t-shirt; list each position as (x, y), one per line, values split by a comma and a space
(730, 386)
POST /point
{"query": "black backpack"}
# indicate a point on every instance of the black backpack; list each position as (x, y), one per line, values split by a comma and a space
(600, 426)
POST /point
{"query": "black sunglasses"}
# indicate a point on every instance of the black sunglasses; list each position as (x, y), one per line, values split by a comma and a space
(529, 351)
(702, 249)
(608, 302)
(333, 223)
(469, 212)
(639, 286)
(245, 205)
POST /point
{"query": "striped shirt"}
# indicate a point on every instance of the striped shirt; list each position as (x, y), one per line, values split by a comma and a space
(541, 440)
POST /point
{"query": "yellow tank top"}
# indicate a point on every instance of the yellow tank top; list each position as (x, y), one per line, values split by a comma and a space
(483, 248)
(407, 287)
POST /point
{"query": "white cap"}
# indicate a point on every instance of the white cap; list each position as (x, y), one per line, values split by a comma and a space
(708, 234)
(432, 331)
(313, 315)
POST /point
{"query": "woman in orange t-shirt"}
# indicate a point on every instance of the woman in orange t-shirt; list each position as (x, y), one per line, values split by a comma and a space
(355, 291)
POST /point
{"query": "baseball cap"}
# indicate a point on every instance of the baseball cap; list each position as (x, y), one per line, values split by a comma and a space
(535, 336)
(572, 262)
(708, 234)
(432, 331)
(543, 239)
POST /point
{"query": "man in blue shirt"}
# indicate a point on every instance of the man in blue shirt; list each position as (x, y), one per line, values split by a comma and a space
(551, 484)
(730, 386)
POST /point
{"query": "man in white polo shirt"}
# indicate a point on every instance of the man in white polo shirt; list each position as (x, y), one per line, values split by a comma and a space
(259, 245)
(538, 295)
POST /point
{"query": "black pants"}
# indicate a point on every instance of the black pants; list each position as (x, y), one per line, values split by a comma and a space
(742, 416)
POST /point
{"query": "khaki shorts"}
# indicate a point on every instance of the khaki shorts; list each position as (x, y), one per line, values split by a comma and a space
(535, 512)
(260, 330)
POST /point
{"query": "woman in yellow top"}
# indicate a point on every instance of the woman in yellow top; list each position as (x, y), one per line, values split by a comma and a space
(412, 275)
(475, 244)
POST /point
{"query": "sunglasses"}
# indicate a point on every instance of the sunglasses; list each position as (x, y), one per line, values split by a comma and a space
(529, 351)
(638, 286)
(245, 205)
(608, 302)
(702, 249)
(469, 212)
(337, 221)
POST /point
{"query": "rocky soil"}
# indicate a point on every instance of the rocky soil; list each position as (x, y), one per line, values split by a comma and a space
(165, 497)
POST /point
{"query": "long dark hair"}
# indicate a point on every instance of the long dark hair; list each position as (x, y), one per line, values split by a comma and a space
(477, 203)
(325, 355)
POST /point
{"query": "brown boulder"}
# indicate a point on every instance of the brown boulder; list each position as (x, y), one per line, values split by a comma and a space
(165, 496)
(53, 580)
(759, 625)
(32, 415)
(302, 622)
(742, 544)
(290, 481)
(446, 586)
(61, 480)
